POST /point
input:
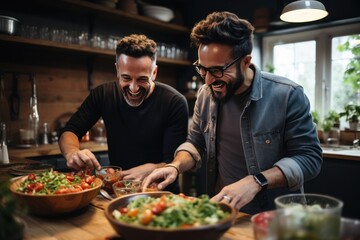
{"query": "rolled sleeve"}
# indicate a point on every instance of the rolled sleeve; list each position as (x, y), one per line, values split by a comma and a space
(191, 149)
(292, 172)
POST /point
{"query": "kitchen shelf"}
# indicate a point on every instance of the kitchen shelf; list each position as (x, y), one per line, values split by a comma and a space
(86, 7)
(7, 39)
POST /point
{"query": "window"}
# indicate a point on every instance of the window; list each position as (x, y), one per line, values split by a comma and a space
(296, 61)
(341, 93)
(312, 59)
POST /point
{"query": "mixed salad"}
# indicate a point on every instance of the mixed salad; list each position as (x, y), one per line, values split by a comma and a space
(54, 182)
(171, 211)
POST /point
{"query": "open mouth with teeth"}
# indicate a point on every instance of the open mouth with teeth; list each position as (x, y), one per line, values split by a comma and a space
(132, 94)
(218, 85)
(134, 99)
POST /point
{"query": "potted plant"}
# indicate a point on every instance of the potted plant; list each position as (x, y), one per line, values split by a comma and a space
(335, 117)
(327, 126)
(351, 114)
(315, 116)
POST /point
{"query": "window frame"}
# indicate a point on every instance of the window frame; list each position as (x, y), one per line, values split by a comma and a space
(322, 37)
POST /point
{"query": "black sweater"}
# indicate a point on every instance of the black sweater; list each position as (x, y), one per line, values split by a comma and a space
(149, 133)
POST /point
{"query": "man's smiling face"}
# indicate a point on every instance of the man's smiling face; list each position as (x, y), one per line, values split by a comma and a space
(136, 76)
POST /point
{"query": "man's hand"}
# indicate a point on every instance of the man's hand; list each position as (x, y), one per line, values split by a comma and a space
(162, 177)
(239, 193)
(139, 172)
(79, 159)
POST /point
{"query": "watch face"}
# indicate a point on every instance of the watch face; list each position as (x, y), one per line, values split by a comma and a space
(261, 180)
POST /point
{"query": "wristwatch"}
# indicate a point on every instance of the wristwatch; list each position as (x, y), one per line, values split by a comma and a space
(261, 180)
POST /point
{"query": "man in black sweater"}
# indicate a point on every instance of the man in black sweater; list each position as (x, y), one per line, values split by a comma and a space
(145, 120)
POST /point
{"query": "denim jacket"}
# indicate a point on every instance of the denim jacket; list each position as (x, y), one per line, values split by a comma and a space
(276, 128)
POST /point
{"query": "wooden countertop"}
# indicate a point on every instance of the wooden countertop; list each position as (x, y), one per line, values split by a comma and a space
(341, 152)
(52, 149)
(91, 223)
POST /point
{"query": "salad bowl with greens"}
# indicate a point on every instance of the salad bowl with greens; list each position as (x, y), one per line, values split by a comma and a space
(167, 216)
(53, 193)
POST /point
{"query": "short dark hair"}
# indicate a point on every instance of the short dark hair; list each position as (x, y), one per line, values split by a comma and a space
(136, 45)
(224, 28)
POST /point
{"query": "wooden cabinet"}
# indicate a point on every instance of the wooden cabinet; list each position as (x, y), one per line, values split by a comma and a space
(64, 71)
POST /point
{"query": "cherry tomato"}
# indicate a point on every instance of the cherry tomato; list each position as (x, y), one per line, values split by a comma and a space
(158, 207)
(75, 188)
(186, 225)
(30, 187)
(70, 177)
(110, 171)
(31, 177)
(133, 212)
(182, 195)
(90, 179)
(62, 191)
(84, 185)
(38, 187)
(123, 210)
(262, 218)
(146, 217)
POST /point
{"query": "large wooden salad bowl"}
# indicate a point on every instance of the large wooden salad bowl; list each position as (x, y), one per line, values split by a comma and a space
(55, 204)
(137, 232)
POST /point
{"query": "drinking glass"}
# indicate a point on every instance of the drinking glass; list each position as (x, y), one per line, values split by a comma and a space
(308, 216)
(125, 187)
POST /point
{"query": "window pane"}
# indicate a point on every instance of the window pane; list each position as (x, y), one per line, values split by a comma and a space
(296, 61)
(341, 93)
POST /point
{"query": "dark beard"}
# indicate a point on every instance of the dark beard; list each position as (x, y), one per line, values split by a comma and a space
(230, 88)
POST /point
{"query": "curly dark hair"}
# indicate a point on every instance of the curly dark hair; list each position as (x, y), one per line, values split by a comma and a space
(224, 28)
(136, 45)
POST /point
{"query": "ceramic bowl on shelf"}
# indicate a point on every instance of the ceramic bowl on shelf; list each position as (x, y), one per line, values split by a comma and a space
(158, 12)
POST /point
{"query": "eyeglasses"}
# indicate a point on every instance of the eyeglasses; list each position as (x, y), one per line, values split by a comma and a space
(217, 72)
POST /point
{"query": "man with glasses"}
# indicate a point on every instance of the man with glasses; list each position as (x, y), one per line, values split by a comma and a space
(252, 131)
(145, 120)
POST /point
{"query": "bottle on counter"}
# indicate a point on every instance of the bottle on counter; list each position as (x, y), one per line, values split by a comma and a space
(4, 155)
(45, 136)
(54, 137)
(34, 114)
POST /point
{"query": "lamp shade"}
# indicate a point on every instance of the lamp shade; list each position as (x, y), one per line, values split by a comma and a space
(303, 11)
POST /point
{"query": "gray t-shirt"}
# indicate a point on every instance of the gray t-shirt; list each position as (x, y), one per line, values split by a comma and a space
(230, 154)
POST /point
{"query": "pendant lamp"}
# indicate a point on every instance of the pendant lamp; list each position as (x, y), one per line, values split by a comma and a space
(303, 11)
